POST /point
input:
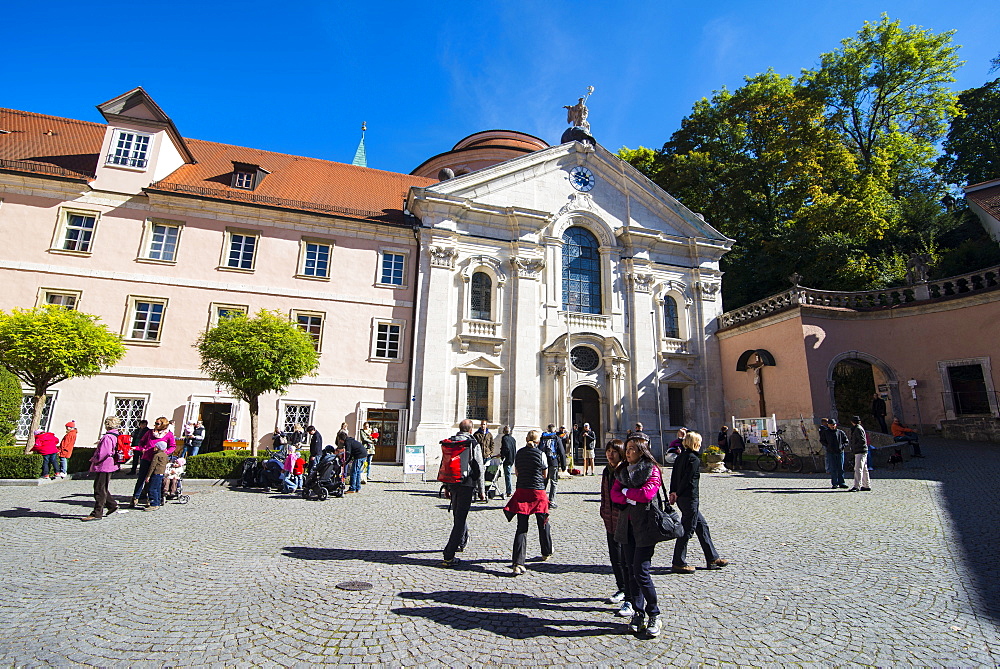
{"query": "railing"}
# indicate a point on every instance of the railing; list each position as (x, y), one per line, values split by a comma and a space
(481, 328)
(597, 321)
(264, 199)
(674, 346)
(971, 402)
(868, 300)
(114, 159)
(27, 166)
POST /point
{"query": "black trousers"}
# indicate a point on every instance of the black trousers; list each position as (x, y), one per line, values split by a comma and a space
(461, 502)
(102, 495)
(641, 591)
(694, 523)
(521, 538)
(552, 488)
(617, 563)
(140, 482)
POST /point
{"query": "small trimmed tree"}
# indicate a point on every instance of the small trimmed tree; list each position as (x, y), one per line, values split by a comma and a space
(256, 355)
(49, 344)
(10, 406)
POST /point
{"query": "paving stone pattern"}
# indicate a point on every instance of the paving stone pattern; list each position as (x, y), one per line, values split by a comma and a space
(903, 575)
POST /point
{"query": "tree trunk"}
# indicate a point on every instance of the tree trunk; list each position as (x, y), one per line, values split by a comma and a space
(36, 419)
(254, 408)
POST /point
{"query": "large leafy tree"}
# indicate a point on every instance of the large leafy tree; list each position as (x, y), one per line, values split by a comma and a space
(256, 355)
(49, 344)
(972, 148)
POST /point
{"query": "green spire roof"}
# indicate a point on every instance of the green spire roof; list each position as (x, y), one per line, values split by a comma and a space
(361, 156)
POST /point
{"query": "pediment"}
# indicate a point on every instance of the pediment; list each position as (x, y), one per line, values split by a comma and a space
(136, 106)
(480, 365)
(537, 185)
(678, 378)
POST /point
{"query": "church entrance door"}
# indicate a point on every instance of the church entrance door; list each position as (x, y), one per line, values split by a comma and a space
(587, 409)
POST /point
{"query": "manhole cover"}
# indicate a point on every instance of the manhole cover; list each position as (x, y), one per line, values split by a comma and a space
(354, 585)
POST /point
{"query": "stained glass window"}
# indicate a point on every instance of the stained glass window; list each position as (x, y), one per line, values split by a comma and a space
(581, 272)
(482, 286)
(671, 327)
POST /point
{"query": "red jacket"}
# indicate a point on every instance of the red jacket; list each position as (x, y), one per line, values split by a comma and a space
(67, 444)
(46, 443)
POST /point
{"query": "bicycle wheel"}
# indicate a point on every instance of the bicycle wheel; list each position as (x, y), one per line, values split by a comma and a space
(767, 462)
(793, 462)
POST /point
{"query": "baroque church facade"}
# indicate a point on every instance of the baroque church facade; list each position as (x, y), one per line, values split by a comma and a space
(504, 280)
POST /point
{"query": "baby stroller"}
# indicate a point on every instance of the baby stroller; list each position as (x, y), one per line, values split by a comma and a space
(262, 473)
(173, 482)
(324, 480)
(491, 478)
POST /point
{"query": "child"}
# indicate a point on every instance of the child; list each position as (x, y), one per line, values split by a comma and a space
(175, 470)
(66, 448)
(47, 445)
(154, 479)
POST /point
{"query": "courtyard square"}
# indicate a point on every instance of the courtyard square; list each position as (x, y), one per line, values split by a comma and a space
(903, 575)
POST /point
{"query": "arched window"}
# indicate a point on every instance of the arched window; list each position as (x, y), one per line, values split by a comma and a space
(581, 272)
(482, 287)
(671, 326)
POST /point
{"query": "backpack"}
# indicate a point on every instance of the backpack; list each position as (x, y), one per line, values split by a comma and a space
(548, 446)
(456, 461)
(123, 449)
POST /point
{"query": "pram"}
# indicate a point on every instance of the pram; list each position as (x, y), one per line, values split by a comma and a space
(175, 472)
(262, 473)
(324, 480)
(491, 478)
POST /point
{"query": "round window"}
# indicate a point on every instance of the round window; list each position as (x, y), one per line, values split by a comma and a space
(585, 358)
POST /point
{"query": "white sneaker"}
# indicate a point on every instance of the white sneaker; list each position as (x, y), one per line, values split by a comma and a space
(654, 626)
(616, 598)
(62, 475)
(626, 610)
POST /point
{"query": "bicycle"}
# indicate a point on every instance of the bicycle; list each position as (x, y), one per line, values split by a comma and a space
(778, 455)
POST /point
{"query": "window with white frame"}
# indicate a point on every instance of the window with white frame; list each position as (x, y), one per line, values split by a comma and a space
(69, 299)
(477, 403)
(315, 259)
(76, 233)
(243, 180)
(130, 409)
(130, 149)
(241, 250)
(393, 265)
(296, 413)
(28, 411)
(146, 318)
(388, 339)
(162, 238)
(671, 321)
(220, 311)
(310, 322)
(481, 289)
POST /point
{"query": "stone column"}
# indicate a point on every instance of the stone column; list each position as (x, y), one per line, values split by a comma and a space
(524, 371)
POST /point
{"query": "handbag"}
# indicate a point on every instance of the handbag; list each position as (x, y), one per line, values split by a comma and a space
(666, 519)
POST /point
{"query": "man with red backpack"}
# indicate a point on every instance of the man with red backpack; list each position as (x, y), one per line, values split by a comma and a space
(461, 470)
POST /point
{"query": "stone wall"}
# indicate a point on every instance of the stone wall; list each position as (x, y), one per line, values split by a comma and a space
(982, 428)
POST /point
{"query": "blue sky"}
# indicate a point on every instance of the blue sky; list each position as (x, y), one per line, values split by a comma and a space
(300, 77)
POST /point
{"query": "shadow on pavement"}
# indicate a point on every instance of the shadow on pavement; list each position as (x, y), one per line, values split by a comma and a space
(25, 512)
(382, 557)
(460, 615)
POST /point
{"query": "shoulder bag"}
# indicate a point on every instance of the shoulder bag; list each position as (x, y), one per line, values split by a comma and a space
(665, 518)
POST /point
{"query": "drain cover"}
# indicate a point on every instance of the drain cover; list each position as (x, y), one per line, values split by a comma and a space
(354, 585)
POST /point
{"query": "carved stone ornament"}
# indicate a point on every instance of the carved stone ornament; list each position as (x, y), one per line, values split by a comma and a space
(709, 288)
(556, 370)
(643, 282)
(528, 268)
(443, 256)
(578, 202)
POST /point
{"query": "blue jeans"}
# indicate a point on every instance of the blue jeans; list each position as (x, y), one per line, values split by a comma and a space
(64, 465)
(507, 480)
(192, 448)
(356, 475)
(50, 464)
(835, 465)
(156, 490)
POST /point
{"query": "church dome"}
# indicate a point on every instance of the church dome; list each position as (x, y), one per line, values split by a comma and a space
(479, 150)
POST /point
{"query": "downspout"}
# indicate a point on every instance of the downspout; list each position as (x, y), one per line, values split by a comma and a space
(418, 284)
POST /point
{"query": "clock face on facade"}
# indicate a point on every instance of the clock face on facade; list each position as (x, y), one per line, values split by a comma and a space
(581, 178)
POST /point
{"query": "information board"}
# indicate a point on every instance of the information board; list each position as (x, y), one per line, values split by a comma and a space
(413, 460)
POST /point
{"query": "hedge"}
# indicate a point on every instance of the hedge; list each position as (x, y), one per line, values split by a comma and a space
(14, 464)
(221, 465)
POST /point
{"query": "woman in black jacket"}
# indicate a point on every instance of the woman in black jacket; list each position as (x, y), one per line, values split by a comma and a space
(684, 493)
(615, 451)
(530, 467)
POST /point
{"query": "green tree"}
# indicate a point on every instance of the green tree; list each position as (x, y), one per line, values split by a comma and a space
(256, 355)
(49, 344)
(10, 406)
(887, 94)
(972, 148)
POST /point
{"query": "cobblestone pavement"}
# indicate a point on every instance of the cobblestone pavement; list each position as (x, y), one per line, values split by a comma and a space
(901, 575)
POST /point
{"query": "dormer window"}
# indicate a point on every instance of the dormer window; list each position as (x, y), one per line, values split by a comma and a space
(246, 176)
(130, 149)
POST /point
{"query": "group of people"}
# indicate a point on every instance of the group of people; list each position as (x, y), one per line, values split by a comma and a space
(630, 484)
(55, 452)
(355, 456)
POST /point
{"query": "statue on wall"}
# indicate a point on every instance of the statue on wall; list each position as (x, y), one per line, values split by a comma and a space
(757, 366)
(576, 115)
(917, 268)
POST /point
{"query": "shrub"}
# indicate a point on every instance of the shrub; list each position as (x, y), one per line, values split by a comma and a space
(14, 464)
(10, 406)
(221, 465)
(80, 460)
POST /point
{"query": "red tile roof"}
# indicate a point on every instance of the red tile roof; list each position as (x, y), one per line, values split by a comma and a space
(66, 147)
(988, 199)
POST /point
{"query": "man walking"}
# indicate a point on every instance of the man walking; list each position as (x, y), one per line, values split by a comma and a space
(461, 496)
(552, 447)
(833, 440)
(508, 448)
(879, 411)
(858, 442)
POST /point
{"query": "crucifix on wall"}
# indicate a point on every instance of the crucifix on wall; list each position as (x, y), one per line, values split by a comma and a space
(756, 365)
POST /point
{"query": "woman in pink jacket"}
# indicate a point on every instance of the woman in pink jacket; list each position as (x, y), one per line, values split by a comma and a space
(103, 464)
(159, 432)
(636, 483)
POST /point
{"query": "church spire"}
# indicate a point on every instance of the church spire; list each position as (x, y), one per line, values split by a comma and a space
(361, 156)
